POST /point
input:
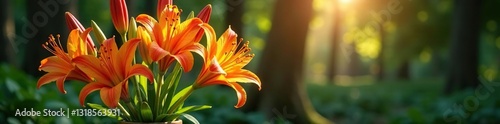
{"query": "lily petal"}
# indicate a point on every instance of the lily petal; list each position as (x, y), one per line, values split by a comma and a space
(60, 84)
(73, 23)
(87, 89)
(111, 96)
(197, 48)
(109, 51)
(91, 66)
(244, 76)
(204, 15)
(77, 74)
(240, 93)
(156, 52)
(211, 40)
(189, 29)
(138, 69)
(186, 60)
(147, 21)
(127, 52)
(161, 5)
(215, 67)
(75, 45)
(55, 64)
(49, 77)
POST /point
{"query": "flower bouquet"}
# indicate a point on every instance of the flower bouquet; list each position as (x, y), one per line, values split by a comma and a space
(166, 46)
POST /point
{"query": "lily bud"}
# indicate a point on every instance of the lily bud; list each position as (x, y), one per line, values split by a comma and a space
(161, 6)
(132, 31)
(98, 32)
(73, 23)
(119, 15)
(144, 45)
(204, 15)
(190, 16)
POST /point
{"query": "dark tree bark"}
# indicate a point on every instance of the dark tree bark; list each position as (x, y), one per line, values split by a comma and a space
(283, 93)
(464, 45)
(4, 40)
(354, 67)
(43, 18)
(380, 59)
(404, 70)
(234, 13)
(335, 44)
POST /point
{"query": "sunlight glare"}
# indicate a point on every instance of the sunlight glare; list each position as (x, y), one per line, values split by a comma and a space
(345, 1)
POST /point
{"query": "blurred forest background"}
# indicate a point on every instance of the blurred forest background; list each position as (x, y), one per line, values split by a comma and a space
(320, 61)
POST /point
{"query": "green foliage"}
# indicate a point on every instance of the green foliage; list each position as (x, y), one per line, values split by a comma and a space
(18, 91)
(419, 101)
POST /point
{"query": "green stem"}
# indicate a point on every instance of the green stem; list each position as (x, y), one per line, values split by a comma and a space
(124, 38)
(180, 101)
(132, 109)
(125, 112)
(159, 82)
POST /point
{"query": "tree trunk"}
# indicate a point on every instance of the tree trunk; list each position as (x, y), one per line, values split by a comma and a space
(283, 94)
(334, 47)
(4, 40)
(355, 66)
(464, 45)
(404, 70)
(234, 13)
(43, 18)
(380, 72)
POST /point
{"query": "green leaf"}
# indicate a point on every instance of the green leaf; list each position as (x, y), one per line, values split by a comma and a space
(146, 113)
(161, 117)
(191, 118)
(192, 108)
(183, 111)
(177, 72)
(171, 117)
(180, 94)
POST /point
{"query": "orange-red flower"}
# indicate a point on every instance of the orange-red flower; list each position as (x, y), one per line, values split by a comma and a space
(119, 15)
(224, 63)
(59, 66)
(173, 40)
(111, 71)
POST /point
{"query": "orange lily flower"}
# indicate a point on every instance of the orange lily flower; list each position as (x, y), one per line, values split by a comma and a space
(173, 40)
(59, 66)
(111, 71)
(224, 63)
(119, 14)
